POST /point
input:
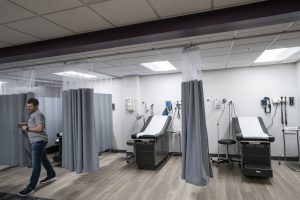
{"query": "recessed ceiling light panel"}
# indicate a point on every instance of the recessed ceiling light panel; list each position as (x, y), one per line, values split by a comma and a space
(75, 74)
(273, 55)
(159, 66)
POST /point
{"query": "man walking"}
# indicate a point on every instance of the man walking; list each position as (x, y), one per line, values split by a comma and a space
(35, 129)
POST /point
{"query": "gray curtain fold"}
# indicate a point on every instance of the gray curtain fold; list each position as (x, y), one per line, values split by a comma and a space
(196, 168)
(51, 107)
(80, 148)
(103, 121)
(15, 147)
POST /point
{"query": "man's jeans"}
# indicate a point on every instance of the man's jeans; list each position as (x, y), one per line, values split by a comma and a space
(38, 153)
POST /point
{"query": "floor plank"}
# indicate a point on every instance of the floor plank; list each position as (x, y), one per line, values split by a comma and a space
(118, 180)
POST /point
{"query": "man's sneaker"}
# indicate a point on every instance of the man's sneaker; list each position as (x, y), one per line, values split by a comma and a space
(48, 179)
(25, 192)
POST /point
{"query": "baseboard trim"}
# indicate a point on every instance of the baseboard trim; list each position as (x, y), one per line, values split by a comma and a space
(279, 158)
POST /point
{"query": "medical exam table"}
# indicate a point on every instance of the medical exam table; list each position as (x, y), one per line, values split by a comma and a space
(152, 143)
(254, 146)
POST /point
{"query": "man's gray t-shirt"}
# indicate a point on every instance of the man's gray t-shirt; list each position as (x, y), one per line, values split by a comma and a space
(34, 119)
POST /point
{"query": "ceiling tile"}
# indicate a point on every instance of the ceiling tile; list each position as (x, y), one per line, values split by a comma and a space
(214, 65)
(169, 8)
(295, 42)
(39, 27)
(243, 63)
(79, 20)
(253, 40)
(213, 59)
(245, 56)
(288, 35)
(3, 44)
(171, 50)
(144, 72)
(121, 12)
(214, 52)
(215, 45)
(47, 6)
(296, 23)
(171, 43)
(11, 12)
(133, 48)
(249, 47)
(109, 69)
(141, 54)
(132, 67)
(262, 30)
(232, 3)
(14, 37)
(97, 65)
(294, 28)
(122, 62)
(172, 56)
(199, 40)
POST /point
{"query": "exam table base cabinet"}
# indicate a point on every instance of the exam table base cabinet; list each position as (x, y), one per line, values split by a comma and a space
(149, 155)
(256, 159)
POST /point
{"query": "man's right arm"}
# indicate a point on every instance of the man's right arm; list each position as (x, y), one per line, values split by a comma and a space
(19, 125)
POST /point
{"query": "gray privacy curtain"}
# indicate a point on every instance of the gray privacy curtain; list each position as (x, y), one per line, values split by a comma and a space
(103, 121)
(51, 107)
(80, 151)
(14, 144)
(196, 163)
(196, 168)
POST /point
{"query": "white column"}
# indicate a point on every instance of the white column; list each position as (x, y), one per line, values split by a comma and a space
(298, 91)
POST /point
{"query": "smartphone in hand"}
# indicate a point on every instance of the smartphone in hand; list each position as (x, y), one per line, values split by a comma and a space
(19, 125)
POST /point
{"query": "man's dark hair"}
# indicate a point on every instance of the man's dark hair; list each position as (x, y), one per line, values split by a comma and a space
(33, 101)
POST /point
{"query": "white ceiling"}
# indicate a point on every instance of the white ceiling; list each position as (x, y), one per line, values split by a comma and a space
(218, 51)
(230, 49)
(35, 20)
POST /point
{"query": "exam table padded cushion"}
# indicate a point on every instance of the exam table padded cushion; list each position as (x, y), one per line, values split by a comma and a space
(239, 134)
(150, 130)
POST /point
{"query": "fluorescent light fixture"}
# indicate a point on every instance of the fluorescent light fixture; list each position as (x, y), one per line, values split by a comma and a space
(75, 74)
(159, 66)
(1, 82)
(277, 54)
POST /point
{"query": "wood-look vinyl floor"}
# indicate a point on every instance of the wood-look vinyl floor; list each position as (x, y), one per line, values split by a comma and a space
(117, 180)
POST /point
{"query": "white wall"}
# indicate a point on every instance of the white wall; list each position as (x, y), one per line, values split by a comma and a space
(124, 122)
(244, 86)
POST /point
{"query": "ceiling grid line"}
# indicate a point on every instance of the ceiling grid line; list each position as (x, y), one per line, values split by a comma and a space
(153, 9)
(101, 16)
(21, 32)
(230, 49)
(6, 42)
(212, 4)
(42, 16)
(17, 20)
(279, 35)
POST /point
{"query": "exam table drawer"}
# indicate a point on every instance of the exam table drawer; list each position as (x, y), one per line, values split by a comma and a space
(258, 170)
